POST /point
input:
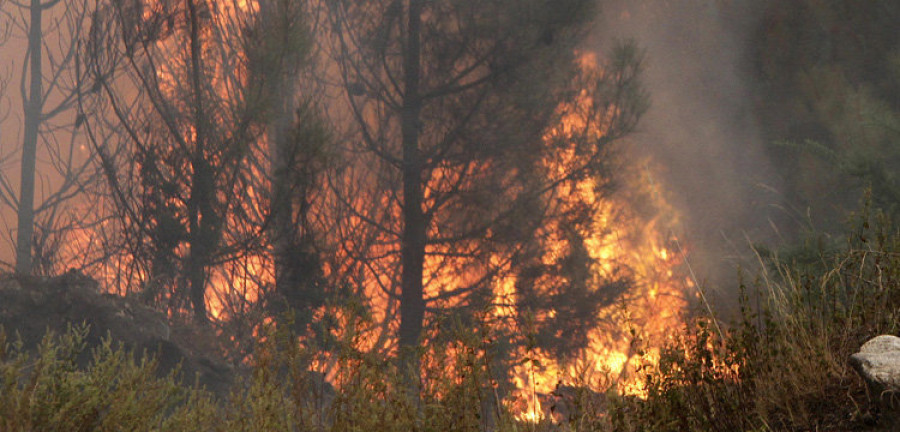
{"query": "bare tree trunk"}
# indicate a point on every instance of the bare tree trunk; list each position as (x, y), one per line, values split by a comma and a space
(202, 190)
(281, 154)
(202, 239)
(412, 302)
(290, 184)
(33, 108)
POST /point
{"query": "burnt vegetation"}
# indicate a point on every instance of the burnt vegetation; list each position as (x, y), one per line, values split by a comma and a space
(405, 215)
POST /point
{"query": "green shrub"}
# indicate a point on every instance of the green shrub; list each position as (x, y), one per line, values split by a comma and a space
(784, 365)
(49, 392)
(118, 390)
(781, 366)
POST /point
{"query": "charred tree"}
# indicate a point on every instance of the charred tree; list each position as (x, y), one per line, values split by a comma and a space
(296, 140)
(33, 110)
(448, 175)
(48, 96)
(412, 243)
(191, 123)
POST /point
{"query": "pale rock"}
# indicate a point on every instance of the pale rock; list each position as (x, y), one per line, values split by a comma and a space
(878, 363)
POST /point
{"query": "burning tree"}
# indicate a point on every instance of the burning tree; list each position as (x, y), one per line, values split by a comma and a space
(456, 171)
(471, 179)
(297, 148)
(198, 85)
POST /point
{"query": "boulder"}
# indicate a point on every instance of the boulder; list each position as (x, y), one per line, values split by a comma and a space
(878, 363)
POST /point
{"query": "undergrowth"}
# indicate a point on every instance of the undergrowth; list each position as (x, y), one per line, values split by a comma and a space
(120, 390)
(782, 366)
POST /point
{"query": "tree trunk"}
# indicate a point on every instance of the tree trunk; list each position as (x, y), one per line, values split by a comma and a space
(197, 280)
(412, 245)
(202, 190)
(283, 231)
(33, 109)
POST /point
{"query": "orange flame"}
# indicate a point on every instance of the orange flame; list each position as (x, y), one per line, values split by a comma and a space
(620, 237)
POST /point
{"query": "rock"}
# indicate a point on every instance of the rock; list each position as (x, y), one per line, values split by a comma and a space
(30, 306)
(878, 363)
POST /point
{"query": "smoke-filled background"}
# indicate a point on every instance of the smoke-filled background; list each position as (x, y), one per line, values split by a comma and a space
(467, 203)
(716, 113)
(701, 128)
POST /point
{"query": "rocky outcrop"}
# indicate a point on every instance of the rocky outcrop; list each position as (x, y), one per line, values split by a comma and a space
(878, 363)
(32, 306)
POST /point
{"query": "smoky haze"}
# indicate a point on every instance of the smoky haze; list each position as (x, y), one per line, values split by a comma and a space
(700, 127)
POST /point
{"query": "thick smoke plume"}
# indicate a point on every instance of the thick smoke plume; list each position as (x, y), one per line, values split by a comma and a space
(700, 127)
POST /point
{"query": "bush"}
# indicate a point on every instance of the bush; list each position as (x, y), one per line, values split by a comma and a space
(784, 365)
(118, 390)
(49, 392)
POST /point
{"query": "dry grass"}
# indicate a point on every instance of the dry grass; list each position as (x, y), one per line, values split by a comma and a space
(782, 366)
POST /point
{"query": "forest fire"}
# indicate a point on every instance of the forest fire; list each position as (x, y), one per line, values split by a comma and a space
(633, 329)
(232, 221)
(396, 215)
(622, 242)
(623, 245)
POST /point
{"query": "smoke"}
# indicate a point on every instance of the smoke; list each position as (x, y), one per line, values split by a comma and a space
(700, 127)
